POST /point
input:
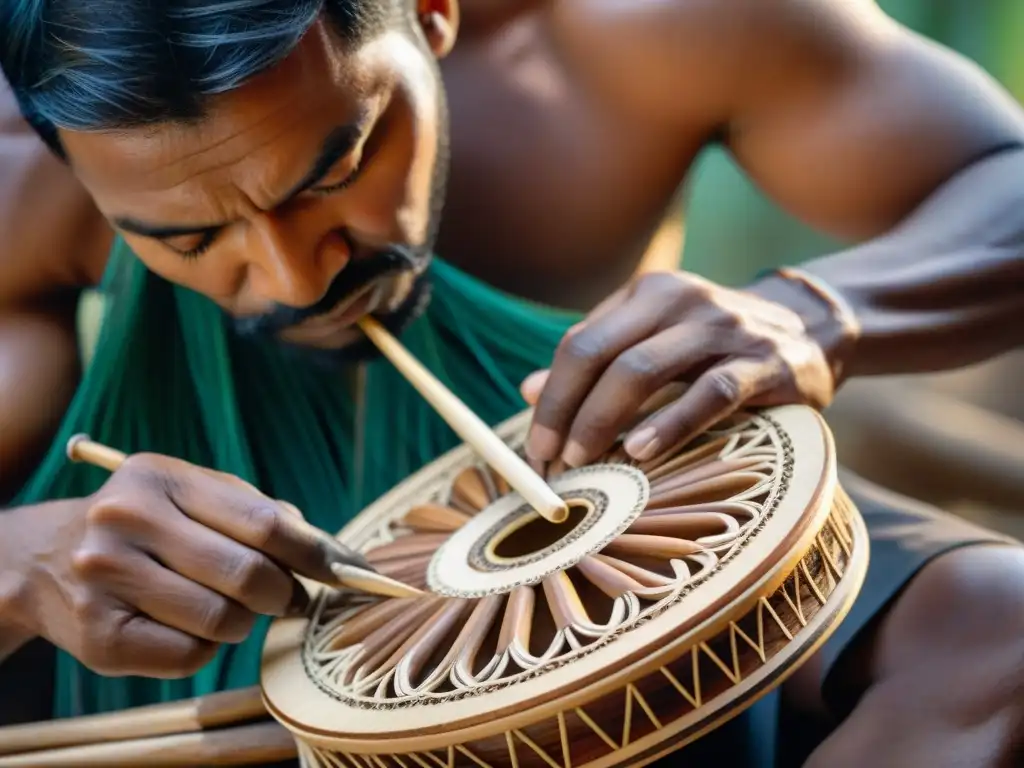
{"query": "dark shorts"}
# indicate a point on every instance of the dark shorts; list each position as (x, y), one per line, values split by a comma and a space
(905, 536)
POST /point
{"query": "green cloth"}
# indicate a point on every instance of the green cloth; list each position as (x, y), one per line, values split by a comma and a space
(168, 376)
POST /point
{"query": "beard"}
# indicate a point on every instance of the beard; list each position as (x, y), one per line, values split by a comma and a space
(395, 263)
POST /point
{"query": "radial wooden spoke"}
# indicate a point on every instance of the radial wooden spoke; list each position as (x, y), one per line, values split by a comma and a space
(741, 511)
(708, 470)
(564, 601)
(661, 547)
(712, 489)
(643, 576)
(434, 518)
(411, 659)
(609, 579)
(687, 525)
(470, 491)
(708, 451)
(517, 623)
(380, 643)
(406, 547)
(369, 620)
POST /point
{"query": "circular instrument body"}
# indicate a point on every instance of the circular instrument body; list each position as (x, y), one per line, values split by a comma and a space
(678, 592)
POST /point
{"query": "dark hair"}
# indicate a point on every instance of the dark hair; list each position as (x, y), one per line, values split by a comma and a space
(101, 64)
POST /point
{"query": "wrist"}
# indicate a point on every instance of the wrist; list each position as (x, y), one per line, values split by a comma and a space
(828, 318)
(15, 577)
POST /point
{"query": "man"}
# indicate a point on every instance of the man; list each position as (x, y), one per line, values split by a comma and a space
(274, 170)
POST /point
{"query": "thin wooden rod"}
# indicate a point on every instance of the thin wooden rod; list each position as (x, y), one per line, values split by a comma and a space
(185, 716)
(81, 448)
(470, 427)
(257, 744)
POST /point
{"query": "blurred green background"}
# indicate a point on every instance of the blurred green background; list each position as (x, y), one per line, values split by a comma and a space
(732, 232)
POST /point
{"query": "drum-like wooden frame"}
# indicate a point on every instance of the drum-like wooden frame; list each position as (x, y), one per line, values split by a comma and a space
(643, 691)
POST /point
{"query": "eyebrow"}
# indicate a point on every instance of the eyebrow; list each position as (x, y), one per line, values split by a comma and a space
(339, 143)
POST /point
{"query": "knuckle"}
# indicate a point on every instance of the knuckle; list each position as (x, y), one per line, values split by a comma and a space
(90, 563)
(769, 347)
(725, 385)
(215, 618)
(638, 363)
(245, 573)
(111, 510)
(263, 521)
(141, 467)
(730, 320)
(83, 607)
(585, 346)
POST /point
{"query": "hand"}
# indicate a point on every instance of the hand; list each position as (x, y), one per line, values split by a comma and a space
(734, 349)
(164, 563)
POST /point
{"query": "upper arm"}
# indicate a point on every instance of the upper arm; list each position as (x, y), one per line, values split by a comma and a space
(53, 240)
(53, 243)
(841, 116)
(849, 120)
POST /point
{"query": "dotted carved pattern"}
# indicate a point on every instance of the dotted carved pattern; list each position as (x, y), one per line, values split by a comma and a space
(706, 502)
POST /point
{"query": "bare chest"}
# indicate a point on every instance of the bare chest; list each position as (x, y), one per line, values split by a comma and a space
(554, 194)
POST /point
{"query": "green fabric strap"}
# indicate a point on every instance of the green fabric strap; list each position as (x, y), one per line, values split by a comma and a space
(167, 376)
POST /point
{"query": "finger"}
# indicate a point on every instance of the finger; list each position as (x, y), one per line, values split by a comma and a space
(260, 523)
(177, 602)
(715, 395)
(349, 555)
(533, 384)
(579, 362)
(222, 564)
(629, 382)
(135, 645)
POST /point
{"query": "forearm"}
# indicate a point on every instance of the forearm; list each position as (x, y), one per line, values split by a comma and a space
(943, 289)
(14, 631)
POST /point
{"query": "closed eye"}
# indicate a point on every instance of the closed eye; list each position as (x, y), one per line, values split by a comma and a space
(200, 248)
(347, 182)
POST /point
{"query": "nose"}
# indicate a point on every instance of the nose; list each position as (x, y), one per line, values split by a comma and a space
(289, 266)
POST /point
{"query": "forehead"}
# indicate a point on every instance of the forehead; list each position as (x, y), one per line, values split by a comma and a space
(276, 119)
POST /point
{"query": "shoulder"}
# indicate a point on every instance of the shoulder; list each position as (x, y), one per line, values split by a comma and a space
(52, 237)
(707, 58)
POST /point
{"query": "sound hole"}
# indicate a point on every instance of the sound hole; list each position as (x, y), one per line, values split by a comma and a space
(537, 534)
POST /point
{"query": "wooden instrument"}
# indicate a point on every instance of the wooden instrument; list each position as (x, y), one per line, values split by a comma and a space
(675, 593)
(678, 592)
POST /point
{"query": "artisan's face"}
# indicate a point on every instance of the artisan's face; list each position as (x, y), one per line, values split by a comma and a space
(307, 199)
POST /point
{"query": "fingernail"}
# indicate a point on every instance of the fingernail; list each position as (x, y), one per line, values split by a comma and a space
(643, 445)
(543, 443)
(574, 455)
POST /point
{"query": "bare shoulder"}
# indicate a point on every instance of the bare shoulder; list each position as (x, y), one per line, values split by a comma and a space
(792, 87)
(700, 59)
(53, 238)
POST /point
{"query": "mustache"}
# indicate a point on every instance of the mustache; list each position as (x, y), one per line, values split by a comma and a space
(357, 275)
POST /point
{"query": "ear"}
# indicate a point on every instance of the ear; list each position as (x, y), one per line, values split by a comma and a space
(440, 22)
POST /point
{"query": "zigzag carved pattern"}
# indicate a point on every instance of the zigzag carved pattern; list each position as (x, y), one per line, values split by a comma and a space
(694, 680)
